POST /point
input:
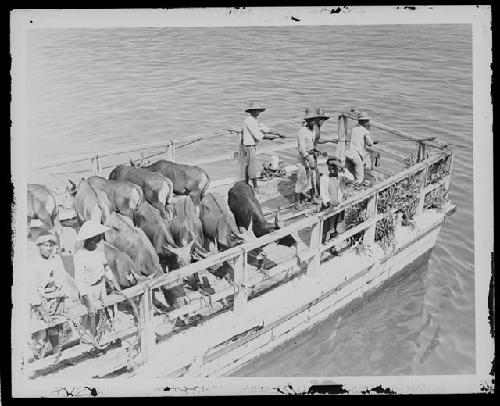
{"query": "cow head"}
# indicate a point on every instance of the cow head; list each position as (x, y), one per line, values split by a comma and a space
(138, 164)
(182, 254)
(72, 188)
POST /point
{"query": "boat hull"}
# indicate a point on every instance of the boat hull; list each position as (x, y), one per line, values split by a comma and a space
(227, 342)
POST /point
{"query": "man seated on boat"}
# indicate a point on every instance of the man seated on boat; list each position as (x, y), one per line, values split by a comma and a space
(357, 155)
(48, 295)
(253, 132)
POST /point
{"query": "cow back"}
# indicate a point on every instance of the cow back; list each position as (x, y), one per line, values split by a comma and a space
(134, 242)
(186, 179)
(156, 187)
(217, 219)
(156, 228)
(91, 203)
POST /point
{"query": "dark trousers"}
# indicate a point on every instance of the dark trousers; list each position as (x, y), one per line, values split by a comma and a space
(333, 224)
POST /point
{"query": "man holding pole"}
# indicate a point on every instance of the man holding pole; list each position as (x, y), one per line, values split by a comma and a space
(357, 153)
(253, 132)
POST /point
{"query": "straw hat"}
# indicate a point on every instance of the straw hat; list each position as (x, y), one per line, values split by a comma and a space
(315, 113)
(320, 113)
(90, 229)
(254, 106)
(363, 116)
(44, 237)
(309, 114)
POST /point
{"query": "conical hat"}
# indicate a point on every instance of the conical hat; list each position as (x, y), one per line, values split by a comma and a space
(90, 229)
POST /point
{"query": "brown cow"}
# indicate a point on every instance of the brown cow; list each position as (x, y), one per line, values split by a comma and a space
(42, 205)
(157, 188)
(134, 242)
(187, 179)
(121, 196)
(219, 226)
(157, 229)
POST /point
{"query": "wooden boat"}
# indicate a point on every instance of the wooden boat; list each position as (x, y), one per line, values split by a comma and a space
(277, 292)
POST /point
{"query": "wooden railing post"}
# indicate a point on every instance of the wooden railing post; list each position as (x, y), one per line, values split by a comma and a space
(96, 166)
(341, 133)
(146, 325)
(240, 291)
(421, 199)
(371, 211)
(314, 246)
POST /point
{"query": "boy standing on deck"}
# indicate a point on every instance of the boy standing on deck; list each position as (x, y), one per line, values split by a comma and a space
(333, 195)
(253, 132)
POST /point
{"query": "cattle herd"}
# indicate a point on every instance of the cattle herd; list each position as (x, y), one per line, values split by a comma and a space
(161, 217)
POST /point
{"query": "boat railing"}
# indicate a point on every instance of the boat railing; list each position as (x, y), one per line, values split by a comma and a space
(425, 178)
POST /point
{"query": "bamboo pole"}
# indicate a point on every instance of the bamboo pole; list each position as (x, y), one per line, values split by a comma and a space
(402, 134)
(85, 157)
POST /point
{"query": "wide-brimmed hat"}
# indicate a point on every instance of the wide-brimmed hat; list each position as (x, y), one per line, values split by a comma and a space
(320, 113)
(44, 237)
(90, 229)
(315, 113)
(363, 116)
(254, 106)
(309, 114)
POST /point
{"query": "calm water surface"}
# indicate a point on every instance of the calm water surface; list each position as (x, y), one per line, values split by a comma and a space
(100, 89)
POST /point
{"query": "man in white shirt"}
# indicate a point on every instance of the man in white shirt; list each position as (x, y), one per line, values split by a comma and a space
(357, 154)
(91, 273)
(253, 132)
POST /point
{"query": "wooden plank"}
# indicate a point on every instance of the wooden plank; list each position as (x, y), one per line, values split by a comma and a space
(371, 211)
(147, 328)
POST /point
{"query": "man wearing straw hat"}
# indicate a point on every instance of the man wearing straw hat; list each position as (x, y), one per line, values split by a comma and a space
(91, 273)
(253, 132)
(357, 154)
(48, 295)
(307, 165)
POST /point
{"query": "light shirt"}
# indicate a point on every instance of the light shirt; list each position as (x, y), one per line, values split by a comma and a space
(336, 188)
(89, 268)
(331, 189)
(360, 138)
(47, 275)
(253, 131)
(305, 141)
